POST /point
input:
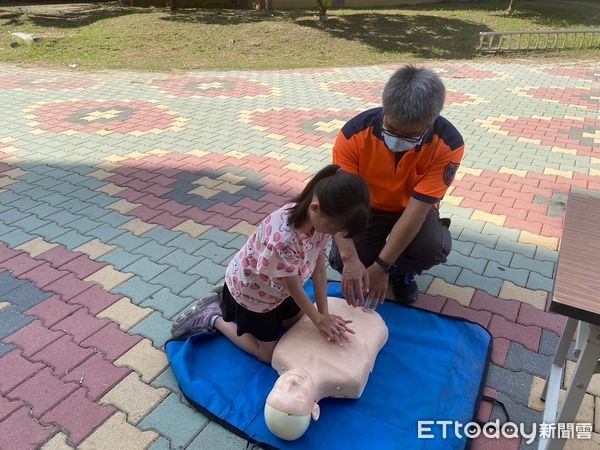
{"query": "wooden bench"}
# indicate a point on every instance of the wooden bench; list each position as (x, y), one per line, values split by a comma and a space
(577, 296)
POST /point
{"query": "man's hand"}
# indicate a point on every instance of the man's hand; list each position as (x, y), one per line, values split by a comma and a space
(355, 282)
(334, 328)
(378, 282)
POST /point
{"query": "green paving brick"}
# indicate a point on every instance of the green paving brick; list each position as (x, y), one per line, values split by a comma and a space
(200, 288)
(478, 238)
(527, 250)
(539, 282)
(154, 250)
(136, 288)
(502, 257)
(129, 241)
(476, 265)
(187, 244)
(545, 268)
(12, 215)
(50, 231)
(501, 232)
(146, 268)
(155, 327)
(423, 282)
(446, 272)
(105, 233)
(181, 260)
(448, 210)
(545, 254)
(215, 436)
(218, 237)
(119, 258)
(516, 276)
(30, 223)
(72, 239)
(175, 280)
(216, 253)
(16, 237)
(469, 279)
(209, 270)
(168, 303)
(161, 235)
(166, 380)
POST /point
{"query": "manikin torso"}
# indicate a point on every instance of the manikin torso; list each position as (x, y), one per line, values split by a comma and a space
(311, 368)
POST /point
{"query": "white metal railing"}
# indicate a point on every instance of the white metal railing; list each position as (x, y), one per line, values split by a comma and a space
(492, 41)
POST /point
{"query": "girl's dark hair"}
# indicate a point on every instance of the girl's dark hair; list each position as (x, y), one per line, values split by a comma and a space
(343, 198)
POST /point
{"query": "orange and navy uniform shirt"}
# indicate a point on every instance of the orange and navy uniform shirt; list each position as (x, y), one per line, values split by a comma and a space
(424, 172)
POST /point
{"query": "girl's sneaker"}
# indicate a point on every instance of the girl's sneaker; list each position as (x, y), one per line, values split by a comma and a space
(197, 318)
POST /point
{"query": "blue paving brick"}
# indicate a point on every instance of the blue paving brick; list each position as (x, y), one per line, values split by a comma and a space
(181, 260)
(83, 170)
(217, 236)
(146, 268)
(447, 210)
(27, 203)
(12, 215)
(83, 225)
(174, 420)
(128, 241)
(137, 289)
(516, 276)
(538, 282)
(93, 212)
(58, 173)
(175, 280)
(201, 203)
(16, 237)
(516, 385)
(48, 183)
(8, 197)
(5, 229)
(501, 232)
(216, 253)
(101, 199)
(215, 436)
(485, 240)
(91, 183)
(66, 189)
(154, 250)
(114, 218)
(502, 257)
(36, 167)
(166, 380)
(105, 232)
(74, 205)
(51, 231)
(155, 327)
(200, 288)
(8, 283)
(237, 243)
(26, 296)
(30, 223)
(545, 268)
(21, 187)
(446, 272)
(72, 239)
(520, 359)
(469, 279)
(187, 244)
(43, 210)
(527, 250)
(475, 265)
(43, 193)
(119, 258)
(31, 178)
(161, 235)
(545, 254)
(168, 303)
(160, 444)
(209, 270)
(12, 320)
(5, 348)
(63, 217)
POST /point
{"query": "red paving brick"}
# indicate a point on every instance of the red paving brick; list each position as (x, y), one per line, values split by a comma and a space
(83, 266)
(483, 443)
(97, 375)
(111, 341)
(52, 310)
(509, 309)
(80, 325)
(430, 302)
(529, 337)
(453, 308)
(528, 315)
(486, 407)
(69, 286)
(58, 256)
(14, 369)
(78, 416)
(7, 253)
(43, 275)
(500, 351)
(62, 355)
(20, 264)
(33, 337)
(7, 407)
(21, 432)
(42, 391)
(95, 299)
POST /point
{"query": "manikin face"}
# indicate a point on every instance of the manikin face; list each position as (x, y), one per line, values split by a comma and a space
(294, 392)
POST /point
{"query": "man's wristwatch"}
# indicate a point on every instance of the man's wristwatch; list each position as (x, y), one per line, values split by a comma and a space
(390, 269)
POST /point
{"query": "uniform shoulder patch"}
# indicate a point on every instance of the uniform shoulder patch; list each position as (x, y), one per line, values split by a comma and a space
(450, 173)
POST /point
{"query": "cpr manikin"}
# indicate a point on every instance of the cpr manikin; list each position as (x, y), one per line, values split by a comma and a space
(311, 368)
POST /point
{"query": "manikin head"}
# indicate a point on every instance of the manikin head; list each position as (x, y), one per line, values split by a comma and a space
(291, 404)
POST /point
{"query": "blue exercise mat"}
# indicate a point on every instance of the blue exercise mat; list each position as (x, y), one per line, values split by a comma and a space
(432, 368)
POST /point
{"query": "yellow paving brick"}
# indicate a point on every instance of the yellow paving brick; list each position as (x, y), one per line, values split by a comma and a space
(594, 386)
(451, 199)
(5, 181)
(109, 278)
(145, 360)
(229, 188)
(519, 173)
(459, 176)
(114, 158)
(110, 189)
(100, 174)
(95, 248)
(470, 171)
(231, 178)
(278, 137)
(592, 159)
(594, 172)
(569, 151)
(198, 153)
(134, 397)
(123, 206)
(137, 226)
(36, 247)
(462, 295)
(583, 444)
(58, 442)
(236, 154)
(7, 140)
(125, 313)
(116, 433)
(497, 219)
(192, 228)
(14, 173)
(207, 182)
(560, 173)
(204, 192)
(586, 411)
(137, 155)
(11, 159)
(243, 228)
(275, 155)
(4, 305)
(510, 291)
(160, 152)
(294, 146)
(529, 238)
(296, 167)
(528, 140)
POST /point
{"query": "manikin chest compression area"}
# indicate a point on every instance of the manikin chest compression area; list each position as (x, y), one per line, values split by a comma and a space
(311, 368)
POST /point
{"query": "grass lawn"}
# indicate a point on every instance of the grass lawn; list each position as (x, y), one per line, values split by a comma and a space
(106, 35)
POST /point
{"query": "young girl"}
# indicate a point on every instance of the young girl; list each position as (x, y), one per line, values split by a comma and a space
(263, 282)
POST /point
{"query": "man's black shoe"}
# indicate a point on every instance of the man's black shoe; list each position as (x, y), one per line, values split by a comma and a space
(404, 288)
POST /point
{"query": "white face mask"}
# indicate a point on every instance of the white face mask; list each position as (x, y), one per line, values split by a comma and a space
(399, 145)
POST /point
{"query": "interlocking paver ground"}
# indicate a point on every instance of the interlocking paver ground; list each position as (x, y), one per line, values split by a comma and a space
(130, 188)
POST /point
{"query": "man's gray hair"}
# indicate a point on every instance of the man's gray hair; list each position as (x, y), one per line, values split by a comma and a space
(414, 95)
